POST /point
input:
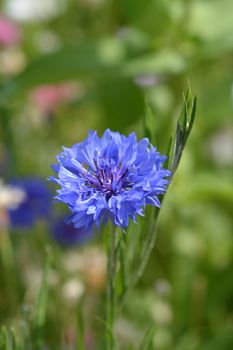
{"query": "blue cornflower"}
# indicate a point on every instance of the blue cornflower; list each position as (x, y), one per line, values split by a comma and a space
(109, 178)
(36, 204)
(67, 235)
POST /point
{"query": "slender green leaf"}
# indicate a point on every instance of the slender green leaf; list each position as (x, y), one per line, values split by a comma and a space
(41, 306)
(104, 58)
(16, 340)
(5, 341)
(123, 266)
(80, 328)
(183, 128)
(147, 340)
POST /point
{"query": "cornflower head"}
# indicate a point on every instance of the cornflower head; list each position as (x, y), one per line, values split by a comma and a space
(35, 205)
(109, 178)
(66, 235)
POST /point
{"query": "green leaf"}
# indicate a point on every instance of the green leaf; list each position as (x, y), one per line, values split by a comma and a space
(16, 340)
(165, 61)
(99, 58)
(121, 101)
(80, 329)
(123, 271)
(41, 306)
(5, 343)
(149, 15)
(183, 129)
(105, 58)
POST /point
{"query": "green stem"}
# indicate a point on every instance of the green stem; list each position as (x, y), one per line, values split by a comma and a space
(41, 305)
(7, 259)
(111, 295)
(147, 248)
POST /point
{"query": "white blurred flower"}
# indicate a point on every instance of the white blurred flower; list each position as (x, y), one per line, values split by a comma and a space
(33, 277)
(47, 41)
(12, 61)
(221, 147)
(161, 312)
(162, 287)
(10, 197)
(127, 331)
(73, 290)
(189, 244)
(73, 261)
(31, 10)
(91, 264)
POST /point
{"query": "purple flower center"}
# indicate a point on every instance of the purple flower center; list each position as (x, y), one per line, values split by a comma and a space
(107, 179)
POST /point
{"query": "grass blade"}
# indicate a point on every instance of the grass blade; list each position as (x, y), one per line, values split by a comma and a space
(41, 306)
(147, 339)
(5, 342)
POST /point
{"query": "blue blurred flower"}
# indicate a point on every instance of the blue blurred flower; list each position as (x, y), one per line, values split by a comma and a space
(67, 235)
(36, 204)
(112, 177)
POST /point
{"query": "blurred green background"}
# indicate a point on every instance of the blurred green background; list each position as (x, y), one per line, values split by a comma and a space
(92, 64)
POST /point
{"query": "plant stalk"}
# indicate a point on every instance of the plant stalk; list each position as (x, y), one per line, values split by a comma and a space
(111, 289)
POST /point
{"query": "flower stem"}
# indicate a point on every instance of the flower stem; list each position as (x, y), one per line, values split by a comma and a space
(111, 296)
(147, 249)
(144, 256)
(7, 259)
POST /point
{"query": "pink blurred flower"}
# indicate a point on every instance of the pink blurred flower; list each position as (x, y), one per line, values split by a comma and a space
(49, 97)
(10, 33)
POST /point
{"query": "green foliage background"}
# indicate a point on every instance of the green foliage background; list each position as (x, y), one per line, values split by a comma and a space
(104, 46)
